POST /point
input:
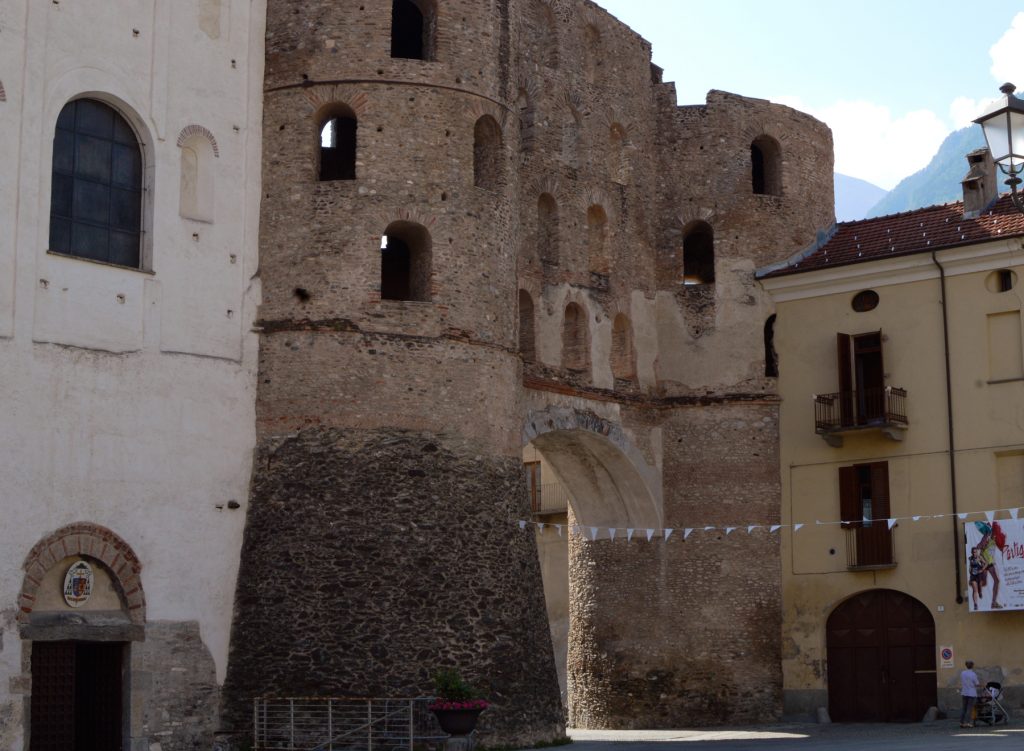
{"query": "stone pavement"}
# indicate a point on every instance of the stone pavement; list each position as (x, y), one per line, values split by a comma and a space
(941, 735)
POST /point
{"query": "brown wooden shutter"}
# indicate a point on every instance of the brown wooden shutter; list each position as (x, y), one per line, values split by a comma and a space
(849, 497)
(880, 490)
(845, 370)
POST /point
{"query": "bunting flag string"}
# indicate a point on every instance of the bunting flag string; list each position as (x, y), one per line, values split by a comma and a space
(649, 532)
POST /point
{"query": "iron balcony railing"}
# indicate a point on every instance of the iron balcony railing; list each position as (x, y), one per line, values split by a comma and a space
(870, 545)
(851, 410)
(549, 498)
(343, 724)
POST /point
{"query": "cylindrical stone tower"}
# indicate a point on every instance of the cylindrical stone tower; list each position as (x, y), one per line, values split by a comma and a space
(380, 544)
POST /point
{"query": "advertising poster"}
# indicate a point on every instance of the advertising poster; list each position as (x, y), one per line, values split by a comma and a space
(995, 565)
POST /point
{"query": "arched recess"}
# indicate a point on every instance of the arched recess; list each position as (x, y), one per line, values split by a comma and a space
(487, 151)
(197, 192)
(575, 338)
(597, 239)
(698, 253)
(592, 53)
(527, 343)
(766, 166)
(881, 658)
(413, 29)
(547, 229)
(406, 260)
(527, 115)
(618, 166)
(623, 356)
(544, 35)
(338, 130)
(94, 543)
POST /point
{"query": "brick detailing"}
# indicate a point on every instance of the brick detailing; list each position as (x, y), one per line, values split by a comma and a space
(198, 130)
(91, 541)
(326, 96)
(353, 583)
(480, 107)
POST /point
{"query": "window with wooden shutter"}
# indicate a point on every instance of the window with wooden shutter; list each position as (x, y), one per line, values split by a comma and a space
(864, 510)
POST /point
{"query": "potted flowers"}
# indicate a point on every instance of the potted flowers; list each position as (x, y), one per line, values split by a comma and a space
(456, 704)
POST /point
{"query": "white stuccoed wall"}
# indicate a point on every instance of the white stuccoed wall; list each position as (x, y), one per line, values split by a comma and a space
(128, 396)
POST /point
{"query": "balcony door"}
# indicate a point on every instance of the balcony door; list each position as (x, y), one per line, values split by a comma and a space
(861, 378)
(864, 509)
(881, 658)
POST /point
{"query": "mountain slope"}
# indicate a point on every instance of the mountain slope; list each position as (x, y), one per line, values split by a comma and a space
(854, 197)
(939, 182)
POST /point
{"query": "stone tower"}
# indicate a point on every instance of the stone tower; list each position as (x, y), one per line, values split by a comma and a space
(487, 224)
(379, 543)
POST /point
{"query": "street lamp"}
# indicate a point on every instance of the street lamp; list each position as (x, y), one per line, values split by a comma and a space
(1003, 125)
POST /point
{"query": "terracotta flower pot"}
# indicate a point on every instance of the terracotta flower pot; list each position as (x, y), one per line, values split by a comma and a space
(457, 721)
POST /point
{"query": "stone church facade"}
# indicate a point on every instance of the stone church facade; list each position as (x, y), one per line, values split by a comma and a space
(483, 226)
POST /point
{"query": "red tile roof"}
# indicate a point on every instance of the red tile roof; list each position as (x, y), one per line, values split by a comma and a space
(918, 231)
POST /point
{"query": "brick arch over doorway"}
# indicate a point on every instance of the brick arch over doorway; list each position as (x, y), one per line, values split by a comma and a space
(93, 541)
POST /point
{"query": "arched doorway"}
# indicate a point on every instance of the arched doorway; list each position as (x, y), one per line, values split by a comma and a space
(582, 470)
(881, 658)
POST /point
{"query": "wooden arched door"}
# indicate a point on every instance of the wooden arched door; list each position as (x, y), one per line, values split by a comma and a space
(881, 658)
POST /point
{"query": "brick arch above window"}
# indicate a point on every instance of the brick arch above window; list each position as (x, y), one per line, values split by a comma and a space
(192, 131)
(92, 541)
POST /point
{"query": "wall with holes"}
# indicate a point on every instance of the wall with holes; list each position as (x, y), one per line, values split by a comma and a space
(129, 391)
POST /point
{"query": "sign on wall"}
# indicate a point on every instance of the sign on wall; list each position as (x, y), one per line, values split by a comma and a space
(78, 584)
(995, 565)
(946, 657)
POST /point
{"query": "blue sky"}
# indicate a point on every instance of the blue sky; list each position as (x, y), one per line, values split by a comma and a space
(892, 78)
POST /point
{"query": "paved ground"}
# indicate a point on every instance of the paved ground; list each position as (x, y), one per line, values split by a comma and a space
(942, 735)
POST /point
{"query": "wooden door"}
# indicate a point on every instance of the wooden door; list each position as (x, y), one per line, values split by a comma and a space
(881, 658)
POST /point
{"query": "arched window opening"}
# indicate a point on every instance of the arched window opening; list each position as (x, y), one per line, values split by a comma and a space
(487, 153)
(597, 239)
(96, 192)
(405, 262)
(699, 254)
(338, 145)
(412, 29)
(618, 166)
(545, 35)
(524, 106)
(771, 357)
(526, 327)
(547, 229)
(575, 338)
(766, 166)
(592, 53)
(623, 359)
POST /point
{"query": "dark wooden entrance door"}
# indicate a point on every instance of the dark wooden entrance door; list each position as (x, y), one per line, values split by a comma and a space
(881, 659)
(76, 696)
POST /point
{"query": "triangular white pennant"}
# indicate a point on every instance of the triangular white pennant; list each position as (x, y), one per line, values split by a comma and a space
(962, 516)
(774, 528)
(522, 524)
(990, 515)
(687, 532)
(559, 528)
(650, 534)
(629, 534)
(541, 525)
(668, 533)
(751, 528)
(611, 532)
(1013, 513)
(796, 527)
(916, 518)
(891, 521)
(728, 530)
(708, 529)
(867, 522)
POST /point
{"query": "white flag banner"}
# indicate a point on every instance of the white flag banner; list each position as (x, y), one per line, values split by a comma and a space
(522, 524)
(593, 534)
(668, 533)
(629, 534)
(990, 515)
(1013, 513)
(962, 516)
(541, 525)
(650, 534)
(891, 521)
(916, 518)
(751, 528)
(796, 527)
(709, 529)
(559, 528)
(611, 532)
(774, 528)
(687, 532)
(728, 531)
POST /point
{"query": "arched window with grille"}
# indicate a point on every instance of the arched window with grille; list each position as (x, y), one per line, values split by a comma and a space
(96, 191)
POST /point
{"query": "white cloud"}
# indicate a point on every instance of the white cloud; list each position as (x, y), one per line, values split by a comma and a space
(1007, 61)
(875, 146)
(963, 110)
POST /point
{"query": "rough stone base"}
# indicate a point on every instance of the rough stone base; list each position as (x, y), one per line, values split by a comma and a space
(372, 559)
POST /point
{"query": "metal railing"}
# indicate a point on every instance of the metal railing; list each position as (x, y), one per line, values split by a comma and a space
(870, 546)
(549, 498)
(848, 410)
(343, 724)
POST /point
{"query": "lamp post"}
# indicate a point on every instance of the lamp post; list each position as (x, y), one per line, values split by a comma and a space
(1003, 125)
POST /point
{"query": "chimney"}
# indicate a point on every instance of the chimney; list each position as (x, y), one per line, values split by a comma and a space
(980, 184)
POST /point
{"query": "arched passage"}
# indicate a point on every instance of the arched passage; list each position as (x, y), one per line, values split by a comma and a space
(583, 470)
(881, 658)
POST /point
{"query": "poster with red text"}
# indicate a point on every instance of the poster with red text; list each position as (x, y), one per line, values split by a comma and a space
(995, 565)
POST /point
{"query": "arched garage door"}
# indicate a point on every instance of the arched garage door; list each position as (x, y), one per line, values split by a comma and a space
(881, 658)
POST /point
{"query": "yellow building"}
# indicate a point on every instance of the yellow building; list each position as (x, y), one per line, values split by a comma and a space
(900, 368)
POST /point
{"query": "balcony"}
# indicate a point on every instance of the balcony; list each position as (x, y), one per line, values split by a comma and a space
(869, 546)
(549, 499)
(881, 409)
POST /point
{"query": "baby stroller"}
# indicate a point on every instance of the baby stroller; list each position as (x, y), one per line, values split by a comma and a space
(988, 709)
